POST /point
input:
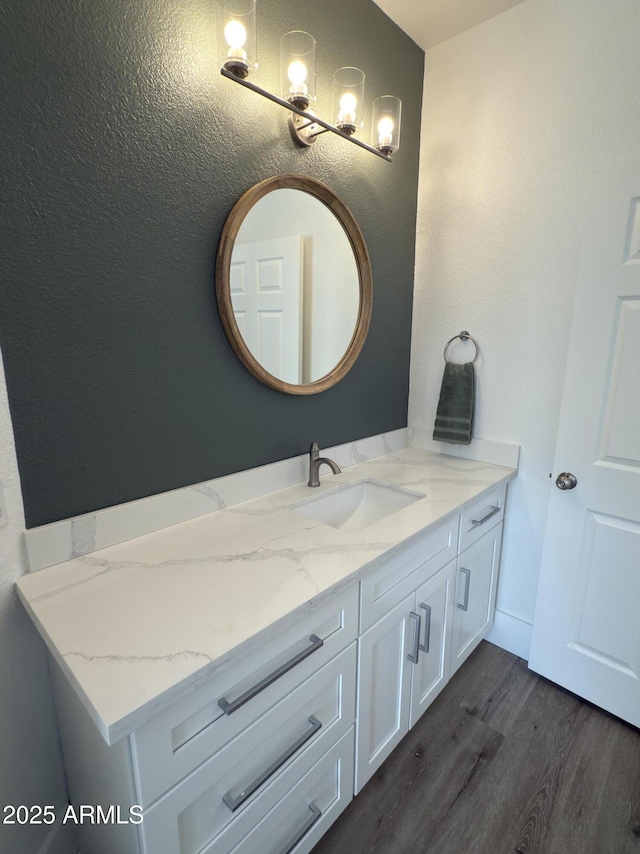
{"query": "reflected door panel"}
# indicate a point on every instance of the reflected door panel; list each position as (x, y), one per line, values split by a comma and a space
(266, 289)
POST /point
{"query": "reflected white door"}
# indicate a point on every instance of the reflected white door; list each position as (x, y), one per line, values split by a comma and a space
(266, 292)
(586, 633)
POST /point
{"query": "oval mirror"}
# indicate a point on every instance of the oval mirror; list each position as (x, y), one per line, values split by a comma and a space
(293, 283)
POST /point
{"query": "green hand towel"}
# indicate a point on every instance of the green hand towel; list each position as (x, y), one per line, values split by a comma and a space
(454, 418)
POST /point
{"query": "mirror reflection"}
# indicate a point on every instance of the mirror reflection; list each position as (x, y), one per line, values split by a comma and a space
(295, 288)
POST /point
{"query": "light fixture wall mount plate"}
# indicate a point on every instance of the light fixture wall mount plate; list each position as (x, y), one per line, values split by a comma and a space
(304, 131)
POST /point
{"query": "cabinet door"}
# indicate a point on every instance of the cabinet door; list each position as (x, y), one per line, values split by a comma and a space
(434, 603)
(476, 583)
(384, 688)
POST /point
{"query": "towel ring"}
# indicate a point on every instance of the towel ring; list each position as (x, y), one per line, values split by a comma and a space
(464, 336)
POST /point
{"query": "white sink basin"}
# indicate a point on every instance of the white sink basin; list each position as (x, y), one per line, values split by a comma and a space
(357, 505)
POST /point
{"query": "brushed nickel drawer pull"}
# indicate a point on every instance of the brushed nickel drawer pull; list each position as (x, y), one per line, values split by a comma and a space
(236, 801)
(492, 512)
(229, 707)
(465, 602)
(306, 827)
(413, 655)
(427, 626)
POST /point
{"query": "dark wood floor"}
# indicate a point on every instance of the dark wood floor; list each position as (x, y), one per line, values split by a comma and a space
(503, 762)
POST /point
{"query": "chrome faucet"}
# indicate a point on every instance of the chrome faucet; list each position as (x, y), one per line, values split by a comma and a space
(315, 461)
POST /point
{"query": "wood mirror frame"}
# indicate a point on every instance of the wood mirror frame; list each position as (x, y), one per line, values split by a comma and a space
(223, 285)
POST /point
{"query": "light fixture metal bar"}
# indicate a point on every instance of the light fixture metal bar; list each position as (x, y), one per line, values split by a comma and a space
(318, 132)
(293, 109)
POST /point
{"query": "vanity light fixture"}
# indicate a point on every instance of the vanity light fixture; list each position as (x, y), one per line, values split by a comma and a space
(298, 68)
(236, 29)
(237, 47)
(348, 99)
(298, 83)
(385, 124)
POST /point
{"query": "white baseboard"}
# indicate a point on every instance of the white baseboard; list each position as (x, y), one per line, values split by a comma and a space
(512, 634)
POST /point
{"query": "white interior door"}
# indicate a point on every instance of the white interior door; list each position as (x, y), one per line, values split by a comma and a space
(266, 292)
(586, 633)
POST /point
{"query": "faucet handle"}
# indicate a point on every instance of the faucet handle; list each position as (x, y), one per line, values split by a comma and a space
(314, 446)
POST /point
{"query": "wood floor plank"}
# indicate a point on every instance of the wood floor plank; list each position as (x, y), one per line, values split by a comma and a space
(601, 809)
(503, 762)
(390, 812)
(519, 786)
(433, 764)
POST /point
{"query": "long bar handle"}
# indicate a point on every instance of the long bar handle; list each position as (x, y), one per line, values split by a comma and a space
(492, 512)
(413, 656)
(306, 827)
(229, 707)
(465, 603)
(427, 627)
(236, 801)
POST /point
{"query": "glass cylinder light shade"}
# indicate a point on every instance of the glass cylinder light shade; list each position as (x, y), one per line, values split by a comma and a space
(348, 99)
(298, 68)
(236, 35)
(385, 124)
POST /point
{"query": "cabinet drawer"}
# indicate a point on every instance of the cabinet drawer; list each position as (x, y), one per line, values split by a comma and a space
(304, 813)
(172, 745)
(297, 731)
(482, 515)
(388, 585)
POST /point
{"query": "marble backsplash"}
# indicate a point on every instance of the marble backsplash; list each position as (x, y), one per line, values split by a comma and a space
(70, 538)
(81, 535)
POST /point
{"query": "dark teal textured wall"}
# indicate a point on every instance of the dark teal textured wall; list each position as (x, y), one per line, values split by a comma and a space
(122, 150)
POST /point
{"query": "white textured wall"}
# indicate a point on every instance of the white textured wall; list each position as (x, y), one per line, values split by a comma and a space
(30, 761)
(518, 114)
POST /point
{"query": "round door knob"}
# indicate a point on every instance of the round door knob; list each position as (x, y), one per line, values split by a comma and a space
(566, 480)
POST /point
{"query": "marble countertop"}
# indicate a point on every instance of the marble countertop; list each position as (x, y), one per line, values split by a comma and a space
(138, 625)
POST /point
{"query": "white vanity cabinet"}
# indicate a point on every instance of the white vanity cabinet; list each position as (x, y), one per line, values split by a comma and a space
(219, 762)
(408, 655)
(264, 755)
(476, 585)
(431, 640)
(408, 597)
(477, 574)
(403, 664)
